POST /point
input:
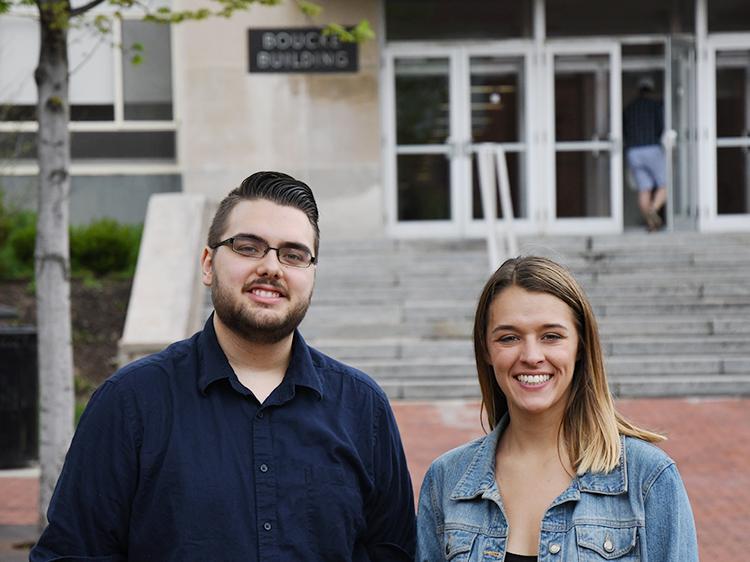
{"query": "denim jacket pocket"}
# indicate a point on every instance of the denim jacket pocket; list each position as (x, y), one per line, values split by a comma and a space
(458, 544)
(596, 543)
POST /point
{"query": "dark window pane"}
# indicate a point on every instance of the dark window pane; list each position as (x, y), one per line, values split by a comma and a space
(150, 144)
(728, 15)
(17, 112)
(423, 187)
(514, 161)
(457, 19)
(17, 146)
(147, 86)
(92, 112)
(733, 181)
(77, 113)
(496, 99)
(97, 145)
(582, 184)
(732, 93)
(422, 104)
(582, 97)
(595, 17)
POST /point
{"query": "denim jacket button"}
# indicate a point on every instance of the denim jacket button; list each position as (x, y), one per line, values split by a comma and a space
(554, 548)
(608, 546)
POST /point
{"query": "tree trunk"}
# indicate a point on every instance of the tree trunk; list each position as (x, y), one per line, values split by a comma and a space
(52, 264)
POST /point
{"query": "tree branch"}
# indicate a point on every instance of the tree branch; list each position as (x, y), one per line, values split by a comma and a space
(85, 8)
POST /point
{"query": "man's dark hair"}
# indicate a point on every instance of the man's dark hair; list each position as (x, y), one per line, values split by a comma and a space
(276, 187)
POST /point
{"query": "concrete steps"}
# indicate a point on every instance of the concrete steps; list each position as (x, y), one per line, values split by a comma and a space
(673, 309)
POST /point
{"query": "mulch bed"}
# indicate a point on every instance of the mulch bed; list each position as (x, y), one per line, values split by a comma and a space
(98, 309)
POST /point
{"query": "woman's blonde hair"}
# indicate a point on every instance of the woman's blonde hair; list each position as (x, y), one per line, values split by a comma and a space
(591, 426)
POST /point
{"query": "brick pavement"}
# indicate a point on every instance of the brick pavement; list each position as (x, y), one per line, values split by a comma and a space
(709, 439)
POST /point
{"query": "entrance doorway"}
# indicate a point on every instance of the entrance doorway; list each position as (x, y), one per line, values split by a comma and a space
(584, 122)
(556, 109)
(442, 102)
(729, 134)
(670, 66)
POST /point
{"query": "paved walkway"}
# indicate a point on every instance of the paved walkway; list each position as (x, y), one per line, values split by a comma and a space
(709, 439)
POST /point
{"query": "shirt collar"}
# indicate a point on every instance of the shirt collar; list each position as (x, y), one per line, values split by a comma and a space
(479, 477)
(609, 483)
(214, 365)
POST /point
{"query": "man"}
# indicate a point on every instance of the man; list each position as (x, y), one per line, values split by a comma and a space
(643, 124)
(241, 443)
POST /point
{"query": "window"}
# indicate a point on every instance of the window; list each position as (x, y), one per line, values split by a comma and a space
(728, 15)
(122, 128)
(571, 18)
(457, 19)
(125, 116)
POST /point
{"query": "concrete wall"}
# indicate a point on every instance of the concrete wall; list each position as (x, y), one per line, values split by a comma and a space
(321, 128)
(118, 196)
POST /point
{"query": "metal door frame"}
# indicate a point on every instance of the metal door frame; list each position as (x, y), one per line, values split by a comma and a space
(594, 225)
(710, 220)
(459, 147)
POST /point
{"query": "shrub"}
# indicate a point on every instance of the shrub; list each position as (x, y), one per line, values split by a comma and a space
(22, 240)
(101, 248)
(6, 223)
(104, 246)
(17, 237)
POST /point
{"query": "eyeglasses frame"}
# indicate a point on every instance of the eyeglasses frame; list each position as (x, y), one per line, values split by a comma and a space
(229, 242)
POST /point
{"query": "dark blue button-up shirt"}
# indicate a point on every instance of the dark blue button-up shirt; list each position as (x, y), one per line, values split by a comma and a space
(175, 460)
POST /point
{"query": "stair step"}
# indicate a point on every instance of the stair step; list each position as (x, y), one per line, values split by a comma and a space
(653, 386)
(673, 309)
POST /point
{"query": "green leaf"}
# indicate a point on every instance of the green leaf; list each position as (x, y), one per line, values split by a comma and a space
(340, 31)
(310, 9)
(363, 32)
(103, 24)
(137, 47)
(136, 59)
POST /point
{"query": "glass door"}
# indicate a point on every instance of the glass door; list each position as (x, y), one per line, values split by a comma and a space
(422, 158)
(585, 189)
(441, 103)
(497, 114)
(681, 138)
(729, 201)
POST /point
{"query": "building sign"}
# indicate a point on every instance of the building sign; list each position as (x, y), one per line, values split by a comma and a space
(300, 49)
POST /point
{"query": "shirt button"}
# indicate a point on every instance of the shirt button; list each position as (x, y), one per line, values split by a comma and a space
(264, 468)
(554, 548)
(608, 546)
(260, 415)
(267, 526)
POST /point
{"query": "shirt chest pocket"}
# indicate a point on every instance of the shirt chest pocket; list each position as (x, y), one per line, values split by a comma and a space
(597, 543)
(335, 510)
(458, 544)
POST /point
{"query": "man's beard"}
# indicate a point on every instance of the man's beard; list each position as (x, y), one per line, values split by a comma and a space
(249, 324)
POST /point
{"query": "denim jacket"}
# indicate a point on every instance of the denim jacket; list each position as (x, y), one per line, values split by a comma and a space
(637, 512)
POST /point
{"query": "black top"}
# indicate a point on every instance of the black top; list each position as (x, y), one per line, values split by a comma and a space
(643, 122)
(175, 460)
(510, 557)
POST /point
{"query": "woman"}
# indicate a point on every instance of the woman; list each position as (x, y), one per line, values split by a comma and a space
(562, 476)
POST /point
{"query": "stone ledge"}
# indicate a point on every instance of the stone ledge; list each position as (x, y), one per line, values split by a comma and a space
(166, 301)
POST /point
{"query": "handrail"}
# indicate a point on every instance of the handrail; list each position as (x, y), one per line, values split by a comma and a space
(493, 168)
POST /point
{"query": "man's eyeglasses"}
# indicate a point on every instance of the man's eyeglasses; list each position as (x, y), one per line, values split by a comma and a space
(255, 248)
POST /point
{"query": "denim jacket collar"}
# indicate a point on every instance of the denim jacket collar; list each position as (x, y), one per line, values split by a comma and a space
(479, 477)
